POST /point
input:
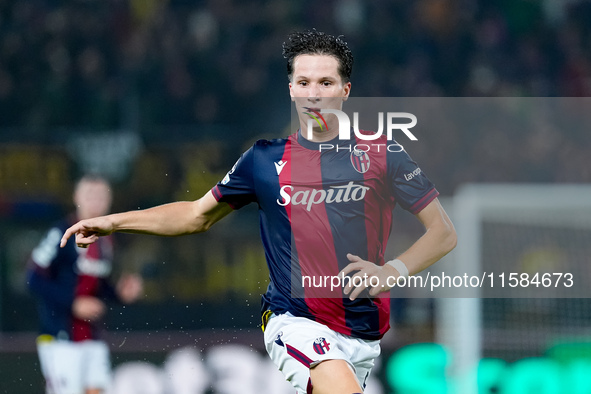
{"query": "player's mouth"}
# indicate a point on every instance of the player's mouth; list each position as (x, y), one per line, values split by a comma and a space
(312, 109)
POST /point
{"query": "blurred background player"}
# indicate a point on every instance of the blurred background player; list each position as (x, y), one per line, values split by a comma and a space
(72, 286)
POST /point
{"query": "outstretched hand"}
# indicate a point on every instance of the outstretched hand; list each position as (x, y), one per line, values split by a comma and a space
(368, 276)
(88, 231)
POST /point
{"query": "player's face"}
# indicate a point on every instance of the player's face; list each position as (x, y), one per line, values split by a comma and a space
(315, 85)
(92, 198)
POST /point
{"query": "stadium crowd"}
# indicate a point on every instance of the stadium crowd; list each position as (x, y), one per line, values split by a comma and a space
(149, 64)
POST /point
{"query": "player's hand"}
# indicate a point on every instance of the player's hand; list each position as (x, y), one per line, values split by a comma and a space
(129, 288)
(368, 276)
(88, 231)
(88, 308)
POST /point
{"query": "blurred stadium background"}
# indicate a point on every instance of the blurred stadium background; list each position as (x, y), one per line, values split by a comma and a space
(162, 97)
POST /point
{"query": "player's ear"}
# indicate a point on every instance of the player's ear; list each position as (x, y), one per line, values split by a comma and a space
(346, 91)
(291, 92)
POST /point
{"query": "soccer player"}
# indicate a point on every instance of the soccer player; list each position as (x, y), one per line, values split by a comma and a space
(72, 286)
(321, 213)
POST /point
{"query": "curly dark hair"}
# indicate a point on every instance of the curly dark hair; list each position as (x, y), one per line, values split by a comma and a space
(316, 42)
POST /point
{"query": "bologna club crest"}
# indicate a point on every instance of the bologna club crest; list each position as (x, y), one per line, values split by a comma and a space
(321, 346)
(360, 161)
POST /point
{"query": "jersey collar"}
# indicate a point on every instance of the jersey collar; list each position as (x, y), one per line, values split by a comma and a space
(316, 145)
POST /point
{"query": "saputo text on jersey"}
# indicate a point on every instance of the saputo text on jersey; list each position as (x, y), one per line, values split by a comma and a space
(335, 194)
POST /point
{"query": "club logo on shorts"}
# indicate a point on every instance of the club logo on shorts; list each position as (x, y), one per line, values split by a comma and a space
(321, 346)
(278, 339)
(360, 161)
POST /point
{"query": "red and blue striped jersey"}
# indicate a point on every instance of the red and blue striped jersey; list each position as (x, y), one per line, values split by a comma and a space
(318, 202)
(56, 276)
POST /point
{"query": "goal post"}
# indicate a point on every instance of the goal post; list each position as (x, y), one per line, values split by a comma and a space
(523, 239)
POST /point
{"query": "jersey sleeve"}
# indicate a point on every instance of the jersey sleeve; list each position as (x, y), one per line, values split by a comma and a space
(409, 185)
(42, 266)
(237, 188)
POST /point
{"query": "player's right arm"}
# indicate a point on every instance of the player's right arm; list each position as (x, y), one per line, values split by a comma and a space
(178, 218)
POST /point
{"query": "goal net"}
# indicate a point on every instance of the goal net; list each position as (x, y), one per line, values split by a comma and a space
(532, 245)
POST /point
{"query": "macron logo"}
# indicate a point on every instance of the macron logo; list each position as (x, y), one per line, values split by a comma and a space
(279, 166)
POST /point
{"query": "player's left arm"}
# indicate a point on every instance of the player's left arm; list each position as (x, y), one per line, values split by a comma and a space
(438, 240)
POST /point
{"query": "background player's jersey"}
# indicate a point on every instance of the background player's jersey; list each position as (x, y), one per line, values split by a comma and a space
(57, 275)
(315, 207)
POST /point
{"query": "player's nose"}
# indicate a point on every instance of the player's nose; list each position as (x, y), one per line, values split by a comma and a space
(314, 92)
